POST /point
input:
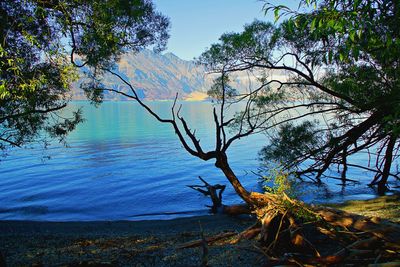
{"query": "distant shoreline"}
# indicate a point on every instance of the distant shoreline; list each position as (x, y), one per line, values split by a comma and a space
(148, 100)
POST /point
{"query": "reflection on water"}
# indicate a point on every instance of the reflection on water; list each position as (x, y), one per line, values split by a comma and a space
(122, 164)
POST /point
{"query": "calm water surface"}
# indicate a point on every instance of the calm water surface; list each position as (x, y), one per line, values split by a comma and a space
(121, 164)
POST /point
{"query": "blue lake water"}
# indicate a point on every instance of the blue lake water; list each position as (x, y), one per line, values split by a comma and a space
(121, 164)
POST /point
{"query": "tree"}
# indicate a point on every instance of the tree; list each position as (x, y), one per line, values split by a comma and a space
(341, 60)
(280, 219)
(99, 31)
(44, 42)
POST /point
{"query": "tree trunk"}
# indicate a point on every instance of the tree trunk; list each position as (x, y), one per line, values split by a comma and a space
(344, 162)
(388, 163)
(223, 165)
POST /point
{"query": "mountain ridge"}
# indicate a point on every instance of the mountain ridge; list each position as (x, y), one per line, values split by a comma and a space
(155, 77)
(158, 76)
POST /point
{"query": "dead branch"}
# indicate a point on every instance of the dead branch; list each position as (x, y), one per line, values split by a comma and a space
(209, 240)
(213, 191)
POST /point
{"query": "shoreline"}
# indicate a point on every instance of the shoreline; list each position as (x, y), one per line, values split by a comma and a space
(120, 243)
(147, 242)
(120, 227)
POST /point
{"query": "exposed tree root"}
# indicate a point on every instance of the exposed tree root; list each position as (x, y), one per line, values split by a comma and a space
(381, 229)
(249, 233)
(291, 232)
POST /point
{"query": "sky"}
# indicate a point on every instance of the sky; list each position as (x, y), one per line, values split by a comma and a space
(196, 24)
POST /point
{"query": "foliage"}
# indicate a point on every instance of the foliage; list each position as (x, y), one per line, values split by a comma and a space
(341, 62)
(358, 28)
(221, 89)
(42, 43)
(290, 143)
(279, 182)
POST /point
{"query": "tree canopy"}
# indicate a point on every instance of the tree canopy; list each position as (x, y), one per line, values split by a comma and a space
(340, 95)
(44, 42)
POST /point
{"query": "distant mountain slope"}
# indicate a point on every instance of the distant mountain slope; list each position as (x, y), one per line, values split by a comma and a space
(160, 77)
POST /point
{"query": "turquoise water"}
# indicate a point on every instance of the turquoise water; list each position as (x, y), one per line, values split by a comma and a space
(121, 164)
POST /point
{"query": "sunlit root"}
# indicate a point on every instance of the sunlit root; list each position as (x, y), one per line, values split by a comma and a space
(291, 230)
(250, 232)
(382, 229)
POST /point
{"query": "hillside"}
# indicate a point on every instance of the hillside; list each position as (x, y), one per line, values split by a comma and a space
(160, 77)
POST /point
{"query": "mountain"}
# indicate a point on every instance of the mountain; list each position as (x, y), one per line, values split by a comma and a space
(160, 76)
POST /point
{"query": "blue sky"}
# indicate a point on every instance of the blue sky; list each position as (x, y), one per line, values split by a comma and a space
(196, 24)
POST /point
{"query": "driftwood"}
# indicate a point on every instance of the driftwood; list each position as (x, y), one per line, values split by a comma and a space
(213, 191)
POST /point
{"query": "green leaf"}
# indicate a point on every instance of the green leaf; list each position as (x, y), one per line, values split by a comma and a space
(341, 56)
(359, 33)
(297, 23)
(3, 90)
(321, 23)
(352, 36)
(290, 26)
(276, 14)
(313, 23)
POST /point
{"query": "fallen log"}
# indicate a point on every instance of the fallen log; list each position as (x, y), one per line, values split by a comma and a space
(213, 191)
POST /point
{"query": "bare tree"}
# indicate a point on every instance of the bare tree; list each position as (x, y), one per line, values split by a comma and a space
(247, 123)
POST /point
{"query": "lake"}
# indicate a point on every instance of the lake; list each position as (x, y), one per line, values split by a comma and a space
(121, 164)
